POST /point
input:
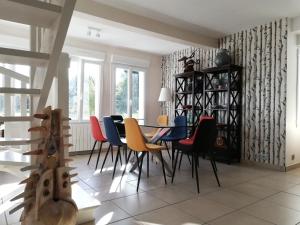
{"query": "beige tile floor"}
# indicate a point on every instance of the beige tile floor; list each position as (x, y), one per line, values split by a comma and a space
(248, 196)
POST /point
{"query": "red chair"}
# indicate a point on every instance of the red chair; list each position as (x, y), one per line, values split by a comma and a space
(190, 140)
(202, 142)
(97, 135)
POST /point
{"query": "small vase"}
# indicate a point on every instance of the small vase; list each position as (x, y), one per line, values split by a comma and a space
(222, 58)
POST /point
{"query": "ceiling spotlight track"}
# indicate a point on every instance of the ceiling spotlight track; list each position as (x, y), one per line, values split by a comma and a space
(93, 32)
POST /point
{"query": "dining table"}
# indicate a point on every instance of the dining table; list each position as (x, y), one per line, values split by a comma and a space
(162, 130)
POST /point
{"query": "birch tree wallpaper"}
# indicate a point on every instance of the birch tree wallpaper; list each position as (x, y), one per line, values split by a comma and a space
(262, 52)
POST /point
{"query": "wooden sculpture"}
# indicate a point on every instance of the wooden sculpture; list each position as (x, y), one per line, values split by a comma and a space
(47, 194)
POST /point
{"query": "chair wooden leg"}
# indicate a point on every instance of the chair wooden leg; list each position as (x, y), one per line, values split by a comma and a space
(112, 154)
(195, 156)
(193, 165)
(173, 154)
(167, 147)
(180, 161)
(147, 164)
(99, 155)
(214, 166)
(117, 157)
(105, 157)
(120, 156)
(163, 166)
(189, 159)
(125, 152)
(92, 152)
(174, 169)
(127, 160)
(140, 171)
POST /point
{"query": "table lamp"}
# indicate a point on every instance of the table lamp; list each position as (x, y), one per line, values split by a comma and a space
(165, 96)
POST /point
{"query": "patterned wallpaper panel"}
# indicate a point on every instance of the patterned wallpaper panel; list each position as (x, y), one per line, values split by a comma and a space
(262, 51)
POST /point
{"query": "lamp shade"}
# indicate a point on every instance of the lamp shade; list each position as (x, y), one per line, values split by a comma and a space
(165, 95)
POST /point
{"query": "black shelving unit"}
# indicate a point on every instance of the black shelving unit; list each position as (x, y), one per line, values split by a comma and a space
(189, 96)
(222, 98)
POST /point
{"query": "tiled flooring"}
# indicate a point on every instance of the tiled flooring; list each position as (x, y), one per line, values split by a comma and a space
(248, 196)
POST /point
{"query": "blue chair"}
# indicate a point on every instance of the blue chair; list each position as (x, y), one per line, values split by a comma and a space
(177, 133)
(114, 139)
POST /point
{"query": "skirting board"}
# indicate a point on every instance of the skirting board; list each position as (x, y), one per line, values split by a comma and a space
(292, 167)
(262, 165)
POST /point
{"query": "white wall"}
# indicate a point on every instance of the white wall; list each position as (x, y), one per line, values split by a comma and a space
(292, 128)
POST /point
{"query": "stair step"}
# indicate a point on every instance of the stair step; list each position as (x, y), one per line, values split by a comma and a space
(15, 118)
(86, 204)
(23, 57)
(14, 74)
(22, 91)
(10, 158)
(17, 141)
(31, 12)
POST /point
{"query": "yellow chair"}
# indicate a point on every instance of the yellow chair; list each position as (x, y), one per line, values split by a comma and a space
(136, 142)
(162, 120)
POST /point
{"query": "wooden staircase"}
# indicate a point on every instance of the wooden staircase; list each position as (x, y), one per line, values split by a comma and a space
(48, 21)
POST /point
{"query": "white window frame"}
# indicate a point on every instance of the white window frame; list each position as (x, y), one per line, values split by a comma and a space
(297, 88)
(80, 87)
(129, 95)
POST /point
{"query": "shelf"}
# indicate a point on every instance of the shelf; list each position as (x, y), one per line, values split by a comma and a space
(181, 109)
(184, 93)
(217, 90)
(222, 69)
(189, 74)
(220, 90)
(219, 109)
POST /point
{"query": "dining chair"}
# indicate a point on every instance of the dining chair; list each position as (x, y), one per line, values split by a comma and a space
(192, 138)
(98, 137)
(202, 141)
(136, 142)
(162, 120)
(177, 133)
(118, 120)
(114, 139)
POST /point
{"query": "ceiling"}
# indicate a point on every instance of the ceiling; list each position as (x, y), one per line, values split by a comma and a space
(118, 37)
(213, 18)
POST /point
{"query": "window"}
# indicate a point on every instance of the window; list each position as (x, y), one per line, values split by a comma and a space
(84, 88)
(129, 92)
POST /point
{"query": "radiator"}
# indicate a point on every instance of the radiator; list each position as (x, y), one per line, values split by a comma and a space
(81, 136)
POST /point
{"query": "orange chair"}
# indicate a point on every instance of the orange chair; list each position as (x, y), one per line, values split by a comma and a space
(136, 142)
(162, 120)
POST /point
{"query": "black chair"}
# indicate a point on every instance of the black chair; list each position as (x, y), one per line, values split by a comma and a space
(203, 142)
(118, 120)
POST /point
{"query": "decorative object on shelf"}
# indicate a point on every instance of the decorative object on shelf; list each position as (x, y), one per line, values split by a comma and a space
(222, 57)
(47, 195)
(224, 82)
(187, 107)
(220, 142)
(164, 96)
(215, 83)
(189, 62)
